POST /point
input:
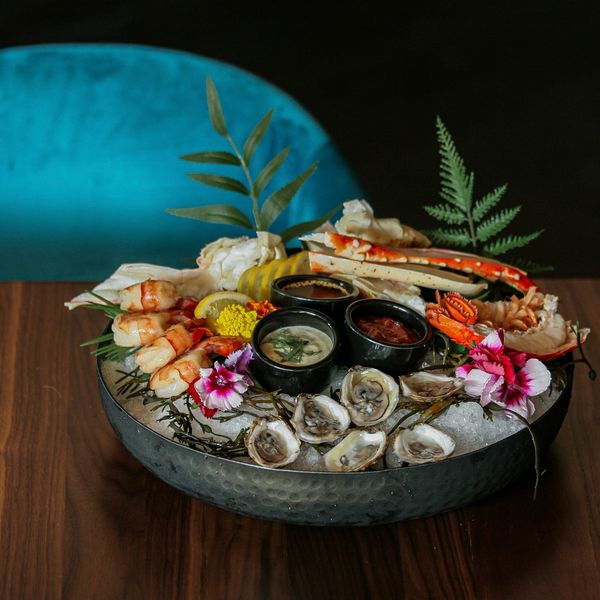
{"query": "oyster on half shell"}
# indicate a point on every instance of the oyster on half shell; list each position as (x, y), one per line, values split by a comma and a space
(357, 451)
(319, 418)
(421, 444)
(271, 442)
(369, 395)
(427, 387)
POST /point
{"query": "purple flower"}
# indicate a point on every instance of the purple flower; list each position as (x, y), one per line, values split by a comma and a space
(222, 386)
(238, 362)
(504, 377)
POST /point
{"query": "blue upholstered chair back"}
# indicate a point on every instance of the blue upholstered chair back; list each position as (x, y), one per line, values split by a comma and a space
(90, 137)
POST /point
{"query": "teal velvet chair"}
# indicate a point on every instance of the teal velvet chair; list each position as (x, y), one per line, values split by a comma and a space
(90, 137)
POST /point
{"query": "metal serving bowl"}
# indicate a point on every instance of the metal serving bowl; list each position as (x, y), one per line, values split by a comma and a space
(318, 498)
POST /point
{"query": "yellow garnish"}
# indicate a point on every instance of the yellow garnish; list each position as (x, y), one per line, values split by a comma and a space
(210, 306)
(235, 320)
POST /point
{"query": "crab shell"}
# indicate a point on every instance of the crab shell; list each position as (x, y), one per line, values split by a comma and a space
(550, 338)
(319, 419)
(357, 451)
(421, 444)
(271, 442)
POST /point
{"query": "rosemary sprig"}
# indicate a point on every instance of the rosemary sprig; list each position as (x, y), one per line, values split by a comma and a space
(109, 350)
(106, 347)
(473, 223)
(133, 384)
(536, 447)
(591, 371)
(450, 353)
(263, 215)
(110, 309)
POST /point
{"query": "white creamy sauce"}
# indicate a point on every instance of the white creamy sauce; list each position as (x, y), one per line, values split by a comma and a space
(297, 345)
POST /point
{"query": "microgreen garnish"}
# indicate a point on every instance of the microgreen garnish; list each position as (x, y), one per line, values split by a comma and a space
(291, 348)
(253, 187)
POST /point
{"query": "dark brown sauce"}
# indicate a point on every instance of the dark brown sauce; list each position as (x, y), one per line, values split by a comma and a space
(317, 289)
(388, 330)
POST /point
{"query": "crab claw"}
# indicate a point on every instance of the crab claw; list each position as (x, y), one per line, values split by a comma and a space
(454, 315)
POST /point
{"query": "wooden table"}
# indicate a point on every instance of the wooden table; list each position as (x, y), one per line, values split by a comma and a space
(80, 518)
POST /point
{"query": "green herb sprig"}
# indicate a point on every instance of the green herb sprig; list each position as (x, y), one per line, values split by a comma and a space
(105, 344)
(474, 224)
(291, 348)
(264, 215)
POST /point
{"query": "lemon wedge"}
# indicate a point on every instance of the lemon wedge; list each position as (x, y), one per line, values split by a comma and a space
(210, 306)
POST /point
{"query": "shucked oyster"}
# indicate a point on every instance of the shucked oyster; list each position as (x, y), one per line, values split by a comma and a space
(271, 443)
(427, 386)
(369, 395)
(358, 450)
(421, 444)
(318, 419)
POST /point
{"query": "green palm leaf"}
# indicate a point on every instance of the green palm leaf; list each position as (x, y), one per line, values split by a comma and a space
(214, 108)
(278, 201)
(307, 226)
(216, 157)
(265, 176)
(218, 181)
(256, 136)
(214, 213)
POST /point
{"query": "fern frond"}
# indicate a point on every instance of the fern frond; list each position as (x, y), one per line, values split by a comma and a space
(510, 242)
(479, 224)
(457, 184)
(485, 204)
(530, 266)
(457, 237)
(447, 214)
(496, 223)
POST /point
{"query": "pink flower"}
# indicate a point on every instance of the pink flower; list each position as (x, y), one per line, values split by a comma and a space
(504, 377)
(222, 386)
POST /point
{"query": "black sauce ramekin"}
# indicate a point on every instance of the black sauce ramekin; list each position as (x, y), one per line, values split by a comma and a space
(360, 349)
(288, 379)
(333, 307)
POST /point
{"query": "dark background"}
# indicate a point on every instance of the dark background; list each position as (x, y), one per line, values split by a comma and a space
(517, 86)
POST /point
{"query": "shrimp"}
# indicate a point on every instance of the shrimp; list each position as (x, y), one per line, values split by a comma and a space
(176, 340)
(152, 295)
(139, 329)
(174, 378)
(223, 345)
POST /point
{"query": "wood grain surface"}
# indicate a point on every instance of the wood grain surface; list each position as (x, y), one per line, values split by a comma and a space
(80, 518)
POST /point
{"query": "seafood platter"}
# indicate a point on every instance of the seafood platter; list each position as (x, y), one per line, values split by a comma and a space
(366, 377)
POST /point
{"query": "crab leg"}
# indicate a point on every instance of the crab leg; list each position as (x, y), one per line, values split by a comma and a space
(358, 249)
(413, 274)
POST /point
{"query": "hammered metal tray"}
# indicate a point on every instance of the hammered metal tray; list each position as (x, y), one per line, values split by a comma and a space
(320, 498)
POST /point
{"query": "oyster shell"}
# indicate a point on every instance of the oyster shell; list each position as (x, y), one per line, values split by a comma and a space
(369, 395)
(318, 419)
(271, 442)
(421, 444)
(357, 451)
(425, 386)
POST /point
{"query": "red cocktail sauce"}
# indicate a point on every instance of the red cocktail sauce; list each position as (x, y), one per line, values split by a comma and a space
(385, 329)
